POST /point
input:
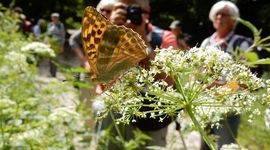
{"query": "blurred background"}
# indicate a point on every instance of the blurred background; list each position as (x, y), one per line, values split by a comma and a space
(192, 13)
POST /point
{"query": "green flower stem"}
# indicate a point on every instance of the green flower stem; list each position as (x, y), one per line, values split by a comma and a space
(179, 87)
(197, 90)
(116, 126)
(202, 132)
(162, 94)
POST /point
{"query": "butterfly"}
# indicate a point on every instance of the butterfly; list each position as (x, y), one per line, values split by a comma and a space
(110, 49)
(234, 86)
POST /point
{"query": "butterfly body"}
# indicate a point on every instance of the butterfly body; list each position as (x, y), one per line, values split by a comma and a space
(110, 49)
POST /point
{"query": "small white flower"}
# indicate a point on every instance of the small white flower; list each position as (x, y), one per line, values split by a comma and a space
(161, 119)
(39, 48)
(195, 73)
(152, 115)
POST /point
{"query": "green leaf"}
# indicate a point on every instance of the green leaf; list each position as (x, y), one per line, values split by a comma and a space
(8, 128)
(260, 62)
(254, 30)
(251, 56)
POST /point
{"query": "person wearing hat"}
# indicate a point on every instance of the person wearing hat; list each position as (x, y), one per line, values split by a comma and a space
(176, 29)
(56, 31)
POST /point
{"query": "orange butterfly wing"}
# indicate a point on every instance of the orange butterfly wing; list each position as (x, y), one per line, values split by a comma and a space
(233, 85)
(110, 49)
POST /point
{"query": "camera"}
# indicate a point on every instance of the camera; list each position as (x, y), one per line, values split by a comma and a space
(134, 14)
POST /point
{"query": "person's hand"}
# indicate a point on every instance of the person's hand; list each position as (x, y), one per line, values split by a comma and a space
(119, 17)
(86, 65)
(118, 14)
(100, 89)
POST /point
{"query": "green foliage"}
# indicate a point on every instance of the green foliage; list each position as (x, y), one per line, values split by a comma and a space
(250, 56)
(72, 24)
(34, 113)
(254, 135)
(112, 138)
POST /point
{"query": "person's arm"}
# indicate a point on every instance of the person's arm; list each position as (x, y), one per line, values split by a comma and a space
(75, 44)
(80, 55)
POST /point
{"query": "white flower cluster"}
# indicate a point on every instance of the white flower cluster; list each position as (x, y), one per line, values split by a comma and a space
(14, 63)
(35, 134)
(39, 48)
(63, 114)
(207, 79)
(6, 103)
(232, 146)
(35, 114)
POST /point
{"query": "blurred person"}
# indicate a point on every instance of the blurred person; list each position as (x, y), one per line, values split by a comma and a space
(154, 37)
(223, 15)
(56, 30)
(176, 29)
(148, 31)
(25, 25)
(39, 28)
(16, 11)
(57, 33)
(105, 7)
(38, 31)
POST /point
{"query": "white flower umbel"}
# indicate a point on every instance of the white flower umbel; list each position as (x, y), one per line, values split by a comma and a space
(39, 49)
(208, 84)
(14, 63)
